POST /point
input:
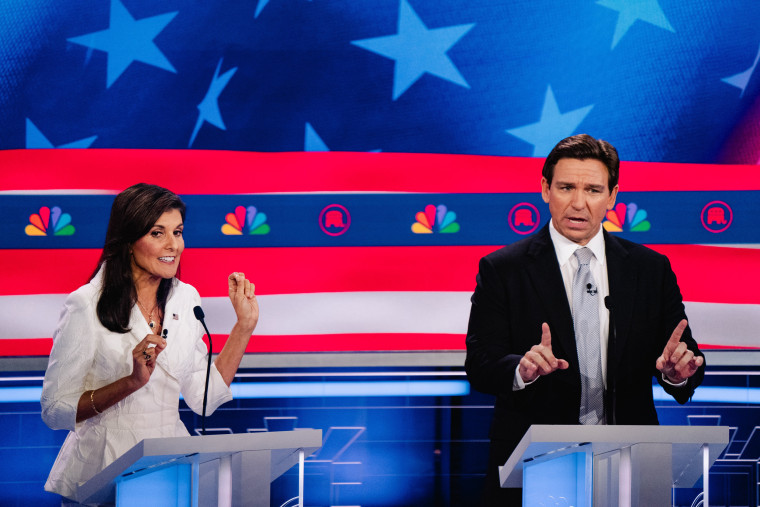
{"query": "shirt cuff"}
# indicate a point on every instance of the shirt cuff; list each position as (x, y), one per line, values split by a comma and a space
(518, 384)
(680, 384)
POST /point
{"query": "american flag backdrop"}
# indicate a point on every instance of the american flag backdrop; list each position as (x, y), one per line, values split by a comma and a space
(359, 251)
(431, 119)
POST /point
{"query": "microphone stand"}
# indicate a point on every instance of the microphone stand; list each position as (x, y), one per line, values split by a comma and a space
(612, 401)
(200, 316)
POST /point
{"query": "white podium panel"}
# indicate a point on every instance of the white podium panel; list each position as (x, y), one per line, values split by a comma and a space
(223, 470)
(630, 465)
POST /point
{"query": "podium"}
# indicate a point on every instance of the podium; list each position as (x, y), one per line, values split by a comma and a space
(212, 470)
(612, 465)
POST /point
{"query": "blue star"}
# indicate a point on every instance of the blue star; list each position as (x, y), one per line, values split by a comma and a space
(552, 126)
(741, 80)
(127, 40)
(312, 141)
(631, 10)
(35, 139)
(417, 50)
(260, 7)
(208, 109)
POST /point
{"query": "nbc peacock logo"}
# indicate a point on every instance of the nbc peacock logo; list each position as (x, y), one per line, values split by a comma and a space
(627, 217)
(435, 218)
(49, 221)
(245, 221)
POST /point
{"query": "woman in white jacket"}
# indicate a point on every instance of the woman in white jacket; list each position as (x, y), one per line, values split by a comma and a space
(127, 343)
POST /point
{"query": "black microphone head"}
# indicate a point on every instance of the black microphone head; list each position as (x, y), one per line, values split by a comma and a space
(198, 311)
(608, 302)
(588, 286)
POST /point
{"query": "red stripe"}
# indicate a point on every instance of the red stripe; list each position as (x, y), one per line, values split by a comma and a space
(273, 270)
(708, 274)
(661, 177)
(25, 347)
(28, 272)
(714, 274)
(374, 342)
(330, 269)
(725, 347)
(309, 343)
(230, 172)
(349, 342)
(191, 171)
(290, 343)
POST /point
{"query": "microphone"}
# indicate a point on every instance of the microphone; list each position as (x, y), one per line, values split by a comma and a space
(198, 311)
(590, 289)
(610, 360)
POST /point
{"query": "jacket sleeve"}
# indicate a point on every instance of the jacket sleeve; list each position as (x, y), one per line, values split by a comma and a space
(489, 363)
(71, 359)
(193, 378)
(674, 312)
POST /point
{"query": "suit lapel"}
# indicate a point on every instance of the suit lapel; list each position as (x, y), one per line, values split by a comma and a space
(170, 353)
(622, 281)
(139, 328)
(547, 281)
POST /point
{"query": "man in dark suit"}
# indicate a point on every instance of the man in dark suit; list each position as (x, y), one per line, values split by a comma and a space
(521, 343)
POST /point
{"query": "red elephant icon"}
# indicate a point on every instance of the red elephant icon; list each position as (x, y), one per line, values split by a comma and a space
(523, 217)
(716, 216)
(334, 218)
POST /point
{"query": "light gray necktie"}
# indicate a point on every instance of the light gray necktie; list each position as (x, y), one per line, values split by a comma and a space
(586, 324)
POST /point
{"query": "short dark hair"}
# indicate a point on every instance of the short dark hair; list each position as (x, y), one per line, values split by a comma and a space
(133, 212)
(583, 147)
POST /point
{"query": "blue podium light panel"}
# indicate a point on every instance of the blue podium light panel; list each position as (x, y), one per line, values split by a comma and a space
(563, 480)
(165, 487)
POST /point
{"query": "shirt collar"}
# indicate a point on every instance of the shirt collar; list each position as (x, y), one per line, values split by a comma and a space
(566, 248)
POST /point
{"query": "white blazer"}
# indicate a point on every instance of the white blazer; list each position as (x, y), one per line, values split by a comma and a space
(86, 356)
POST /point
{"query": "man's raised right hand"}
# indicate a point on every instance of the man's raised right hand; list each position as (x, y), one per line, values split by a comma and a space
(540, 360)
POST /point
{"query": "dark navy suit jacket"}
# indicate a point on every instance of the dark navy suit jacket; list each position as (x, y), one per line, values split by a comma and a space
(520, 286)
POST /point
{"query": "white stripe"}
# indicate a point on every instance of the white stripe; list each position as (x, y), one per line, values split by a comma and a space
(350, 312)
(32, 316)
(35, 316)
(724, 324)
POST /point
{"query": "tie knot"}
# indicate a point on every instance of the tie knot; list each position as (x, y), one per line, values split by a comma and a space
(583, 255)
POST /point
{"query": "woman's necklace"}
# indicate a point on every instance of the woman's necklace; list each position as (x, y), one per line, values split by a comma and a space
(151, 322)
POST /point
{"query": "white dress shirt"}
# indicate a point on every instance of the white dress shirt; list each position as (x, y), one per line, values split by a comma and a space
(568, 266)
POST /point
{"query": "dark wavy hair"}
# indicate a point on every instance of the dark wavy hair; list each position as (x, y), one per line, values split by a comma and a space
(583, 147)
(133, 213)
